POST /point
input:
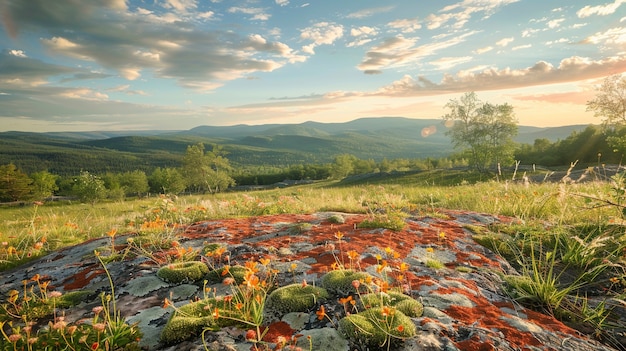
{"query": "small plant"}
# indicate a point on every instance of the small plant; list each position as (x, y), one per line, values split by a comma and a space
(20, 330)
(243, 308)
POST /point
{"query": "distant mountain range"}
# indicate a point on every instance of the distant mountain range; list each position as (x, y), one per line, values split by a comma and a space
(269, 144)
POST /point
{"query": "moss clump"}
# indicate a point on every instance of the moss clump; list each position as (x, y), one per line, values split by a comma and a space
(403, 303)
(294, 298)
(180, 272)
(375, 327)
(191, 319)
(339, 282)
(183, 328)
(216, 276)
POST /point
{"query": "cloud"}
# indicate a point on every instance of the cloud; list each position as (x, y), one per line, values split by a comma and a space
(257, 13)
(505, 41)
(555, 23)
(521, 47)
(600, 10)
(483, 50)
(611, 36)
(134, 41)
(18, 69)
(282, 2)
(182, 6)
(405, 25)
(400, 51)
(370, 12)
(542, 73)
(322, 33)
(445, 63)
(460, 13)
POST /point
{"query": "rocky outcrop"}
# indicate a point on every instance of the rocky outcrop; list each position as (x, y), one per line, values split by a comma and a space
(457, 281)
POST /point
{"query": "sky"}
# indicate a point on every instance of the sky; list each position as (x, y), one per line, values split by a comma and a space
(87, 65)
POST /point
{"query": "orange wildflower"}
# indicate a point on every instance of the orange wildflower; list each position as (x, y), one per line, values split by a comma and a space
(353, 255)
(112, 232)
(339, 235)
(321, 312)
(345, 300)
(226, 270)
(251, 266)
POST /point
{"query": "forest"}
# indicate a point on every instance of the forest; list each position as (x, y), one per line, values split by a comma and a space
(178, 173)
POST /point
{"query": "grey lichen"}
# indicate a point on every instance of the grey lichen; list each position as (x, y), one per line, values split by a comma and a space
(142, 286)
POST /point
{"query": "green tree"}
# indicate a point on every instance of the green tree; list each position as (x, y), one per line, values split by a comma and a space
(44, 184)
(207, 171)
(134, 183)
(610, 104)
(166, 181)
(343, 166)
(483, 130)
(15, 185)
(89, 188)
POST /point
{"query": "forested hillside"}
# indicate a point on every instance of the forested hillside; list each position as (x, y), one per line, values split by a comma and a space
(246, 146)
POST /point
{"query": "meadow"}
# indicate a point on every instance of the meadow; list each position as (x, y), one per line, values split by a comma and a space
(568, 241)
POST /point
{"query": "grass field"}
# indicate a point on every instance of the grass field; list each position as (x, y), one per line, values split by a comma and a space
(569, 238)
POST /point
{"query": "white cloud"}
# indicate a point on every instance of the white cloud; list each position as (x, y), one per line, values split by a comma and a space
(555, 23)
(182, 6)
(460, 13)
(322, 33)
(505, 41)
(363, 30)
(370, 12)
(400, 51)
(282, 2)
(600, 10)
(446, 63)
(406, 25)
(611, 36)
(542, 73)
(520, 47)
(256, 13)
(17, 53)
(483, 50)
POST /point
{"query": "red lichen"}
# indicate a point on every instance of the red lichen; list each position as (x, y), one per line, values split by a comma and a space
(82, 278)
(275, 330)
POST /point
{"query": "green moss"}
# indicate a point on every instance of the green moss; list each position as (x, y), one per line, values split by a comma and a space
(236, 272)
(183, 272)
(191, 319)
(337, 218)
(182, 328)
(73, 298)
(403, 303)
(434, 264)
(339, 282)
(375, 329)
(294, 298)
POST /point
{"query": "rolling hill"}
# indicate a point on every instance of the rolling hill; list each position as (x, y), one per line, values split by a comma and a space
(271, 144)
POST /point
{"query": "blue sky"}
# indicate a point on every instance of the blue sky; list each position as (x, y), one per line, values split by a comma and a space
(72, 65)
